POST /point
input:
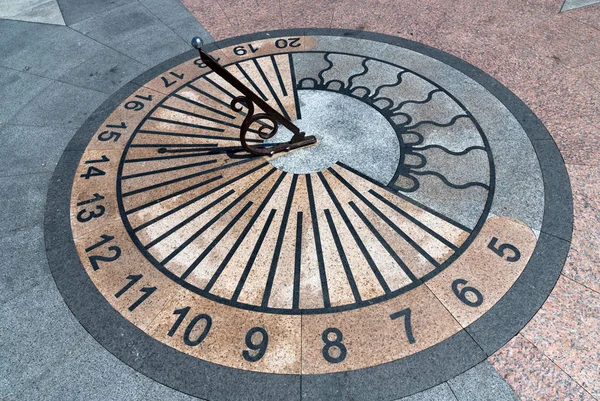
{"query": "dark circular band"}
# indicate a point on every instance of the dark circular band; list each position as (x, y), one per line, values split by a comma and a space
(387, 381)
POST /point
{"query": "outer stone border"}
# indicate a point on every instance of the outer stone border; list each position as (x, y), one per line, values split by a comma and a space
(387, 381)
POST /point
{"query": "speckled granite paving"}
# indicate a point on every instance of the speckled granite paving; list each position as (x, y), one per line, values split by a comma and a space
(53, 76)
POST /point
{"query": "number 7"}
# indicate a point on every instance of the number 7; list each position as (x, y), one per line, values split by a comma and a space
(407, 325)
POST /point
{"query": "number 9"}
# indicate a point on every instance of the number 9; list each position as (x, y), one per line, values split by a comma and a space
(261, 347)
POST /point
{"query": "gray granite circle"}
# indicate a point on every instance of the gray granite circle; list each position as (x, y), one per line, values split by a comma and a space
(422, 370)
(347, 131)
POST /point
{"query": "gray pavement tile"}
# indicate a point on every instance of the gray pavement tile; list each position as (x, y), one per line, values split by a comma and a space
(41, 49)
(134, 31)
(105, 71)
(573, 4)
(16, 90)
(158, 392)
(43, 11)
(91, 374)
(441, 392)
(77, 10)
(37, 332)
(22, 200)
(59, 104)
(177, 17)
(21, 151)
(82, 137)
(23, 264)
(481, 383)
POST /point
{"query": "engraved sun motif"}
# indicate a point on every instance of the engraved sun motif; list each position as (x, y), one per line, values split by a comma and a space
(231, 227)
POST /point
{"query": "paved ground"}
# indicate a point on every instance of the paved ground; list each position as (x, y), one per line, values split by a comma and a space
(52, 76)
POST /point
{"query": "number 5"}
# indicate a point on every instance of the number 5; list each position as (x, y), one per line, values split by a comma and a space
(500, 250)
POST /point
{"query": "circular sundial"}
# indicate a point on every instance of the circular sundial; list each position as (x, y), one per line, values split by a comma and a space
(398, 243)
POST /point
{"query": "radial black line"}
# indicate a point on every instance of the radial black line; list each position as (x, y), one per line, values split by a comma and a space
(270, 87)
(256, 88)
(213, 151)
(216, 240)
(342, 255)
(390, 223)
(294, 86)
(170, 182)
(168, 169)
(198, 104)
(216, 218)
(211, 119)
(297, 262)
(195, 186)
(384, 285)
(219, 87)
(185, 135)
(158, 158)
(192, 114)
(384, 243)
(208, 95)
(183, 123)
(186, 221)
(279, 243)
(172, 145)
(278, 74)
(241, 237)
(216, 99)
(171, 211)
(319, 250)
(253, 255)
(414, 220)
(184, 178)
(406, 198)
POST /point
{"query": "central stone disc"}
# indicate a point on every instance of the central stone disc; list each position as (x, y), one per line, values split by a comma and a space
(348, 131)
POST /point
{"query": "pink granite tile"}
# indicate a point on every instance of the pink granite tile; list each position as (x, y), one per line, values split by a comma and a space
(477, 30)
(559, 38)
(583, 262)
(570, 109)
(560, 96)
(541, 53)
(529, 12)
(425, 21)
(490, 18)
(578, 144)
(532, 375)
(589, 15)
(211, 17)
(474, 31)
(590, 73)
(308, 14)
(567, 330)
(248, 16)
